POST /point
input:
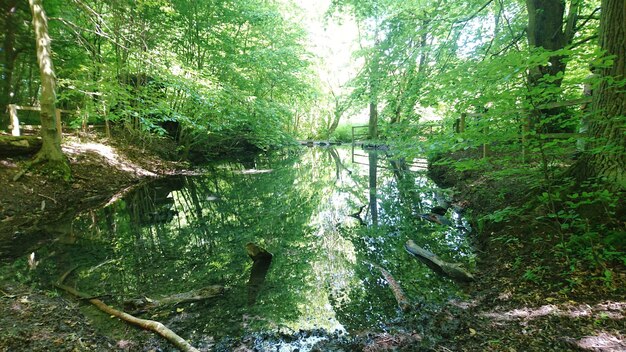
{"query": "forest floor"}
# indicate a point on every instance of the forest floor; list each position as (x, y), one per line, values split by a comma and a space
(36, 319)
(521, 300)
(526, 296)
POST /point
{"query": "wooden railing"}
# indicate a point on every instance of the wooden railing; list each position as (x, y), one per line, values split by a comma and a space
(15, 121)
(460, 125)
(16, 128)
(356, 134)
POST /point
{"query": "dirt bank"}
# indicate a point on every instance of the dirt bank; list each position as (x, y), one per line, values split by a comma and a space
(526, 297)
(37, 319)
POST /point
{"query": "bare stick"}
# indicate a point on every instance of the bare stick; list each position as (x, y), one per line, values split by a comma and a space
(152, 325)
(403, 301)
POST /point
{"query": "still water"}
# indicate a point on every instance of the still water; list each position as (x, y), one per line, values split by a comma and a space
(329, 216)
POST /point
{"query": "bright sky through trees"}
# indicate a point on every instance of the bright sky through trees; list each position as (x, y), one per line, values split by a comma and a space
(332, 40)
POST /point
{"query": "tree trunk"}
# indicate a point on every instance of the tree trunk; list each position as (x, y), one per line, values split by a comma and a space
(373, 168)
(608, 159)
(337, 112)
(51, 149)
(373, 94)
(452, 270)
(373, 121)
(546, 31)
(8, 9)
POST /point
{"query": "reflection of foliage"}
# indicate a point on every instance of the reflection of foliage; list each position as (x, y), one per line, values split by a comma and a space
(183, 233)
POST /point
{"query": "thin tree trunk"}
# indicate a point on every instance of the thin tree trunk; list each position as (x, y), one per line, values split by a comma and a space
(9, 55)
(373, 168)
(373, 121)
(373, 98)
(51, 148)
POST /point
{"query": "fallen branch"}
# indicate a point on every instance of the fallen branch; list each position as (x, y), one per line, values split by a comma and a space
(45, 196)
(152, 325)
(452, 270)
(403, 301)
(143, 304)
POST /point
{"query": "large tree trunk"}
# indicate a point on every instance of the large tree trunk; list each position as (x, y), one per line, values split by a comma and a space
(608, 159)
(51, 149)
(546, 31)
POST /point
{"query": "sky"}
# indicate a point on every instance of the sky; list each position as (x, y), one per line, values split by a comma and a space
(333, 40)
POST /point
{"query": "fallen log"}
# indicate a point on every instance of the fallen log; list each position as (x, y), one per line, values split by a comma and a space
(143, 304)
(17, 146)
(403, 301)
(151, 325)
(452, 270)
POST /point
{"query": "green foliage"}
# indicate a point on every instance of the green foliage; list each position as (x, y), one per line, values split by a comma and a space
(501, 215)
(590, 234)
(193, 71)
(343, 134)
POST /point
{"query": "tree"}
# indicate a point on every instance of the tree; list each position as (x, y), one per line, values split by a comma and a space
(545, 30)
(16, 35)
(50, 152)
(373, 84)
(607, 158)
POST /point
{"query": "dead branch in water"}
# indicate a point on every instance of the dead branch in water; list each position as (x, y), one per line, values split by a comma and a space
(403, 301)
(151, 325)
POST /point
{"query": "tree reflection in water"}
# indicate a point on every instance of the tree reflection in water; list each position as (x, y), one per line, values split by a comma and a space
(182, 233)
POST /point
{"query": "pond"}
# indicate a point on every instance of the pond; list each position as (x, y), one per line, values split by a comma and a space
(330, 217)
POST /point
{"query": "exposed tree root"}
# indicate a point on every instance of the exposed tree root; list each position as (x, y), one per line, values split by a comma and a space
(55, 168)
(152, 325)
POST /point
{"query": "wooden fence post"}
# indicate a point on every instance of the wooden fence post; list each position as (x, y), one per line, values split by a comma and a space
(15, 122)
(352, 135)
(525, 132)
(462, 123)
(485, 131)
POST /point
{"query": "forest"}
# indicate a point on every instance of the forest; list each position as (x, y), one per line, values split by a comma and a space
(347, 175)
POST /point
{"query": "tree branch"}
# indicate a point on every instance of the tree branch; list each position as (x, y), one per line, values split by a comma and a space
(472, 16)
(589, 18)
(582, 41)
(152, 325)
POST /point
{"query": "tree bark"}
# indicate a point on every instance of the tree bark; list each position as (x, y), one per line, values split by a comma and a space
(51, 148)
(9, 55)
(373, 94)
(607, 159)
(546, 30)
(403, 301)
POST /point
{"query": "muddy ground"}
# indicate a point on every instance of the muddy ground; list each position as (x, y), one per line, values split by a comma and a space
(506, 311)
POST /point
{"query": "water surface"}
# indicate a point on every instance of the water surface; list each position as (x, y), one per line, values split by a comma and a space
(186, 232)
